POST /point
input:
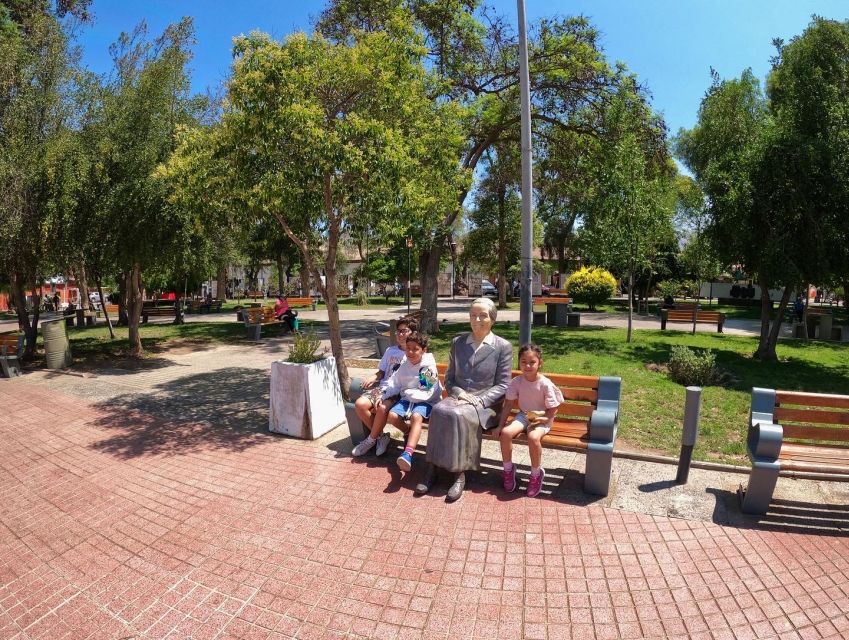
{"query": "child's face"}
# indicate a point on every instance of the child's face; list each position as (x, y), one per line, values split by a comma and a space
(529, 364)
(414, 352)
(401, 333)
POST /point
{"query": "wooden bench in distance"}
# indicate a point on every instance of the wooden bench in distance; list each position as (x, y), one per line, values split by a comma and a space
(11, 346)
(162, 312)
(587, 420)
(702, 317)
(255, 317)
(306, 301)
(210, 307)
(794, 431)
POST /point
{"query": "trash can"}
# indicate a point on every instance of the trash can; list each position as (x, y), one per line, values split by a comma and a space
(57, 349)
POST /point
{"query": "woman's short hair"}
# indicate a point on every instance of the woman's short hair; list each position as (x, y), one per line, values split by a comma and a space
(491, 309)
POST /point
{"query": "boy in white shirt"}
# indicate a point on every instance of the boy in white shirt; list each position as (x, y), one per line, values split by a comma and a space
(366, 404)
(417, 382)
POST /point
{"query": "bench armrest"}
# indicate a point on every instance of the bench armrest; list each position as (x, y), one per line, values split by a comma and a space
(764, 441)
(605, 418)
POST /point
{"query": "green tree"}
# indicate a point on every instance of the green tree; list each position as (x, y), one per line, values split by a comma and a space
(630, 218)
(774, 168)
(147, 100)
(591, 286)
(571, 83)
(35, 67)
(325, 132)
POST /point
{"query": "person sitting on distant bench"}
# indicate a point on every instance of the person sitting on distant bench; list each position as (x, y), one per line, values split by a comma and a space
(284, 313)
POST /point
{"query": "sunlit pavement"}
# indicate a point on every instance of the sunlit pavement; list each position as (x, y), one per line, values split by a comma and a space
(152, 503)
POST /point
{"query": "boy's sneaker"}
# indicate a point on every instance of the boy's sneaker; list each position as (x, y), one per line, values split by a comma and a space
(509, 479)
(382, 445)
(363, 448)
(405, 461)
(535, 484)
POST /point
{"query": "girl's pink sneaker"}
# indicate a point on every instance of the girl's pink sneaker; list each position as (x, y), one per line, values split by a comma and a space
(535, 484)
(509, 479)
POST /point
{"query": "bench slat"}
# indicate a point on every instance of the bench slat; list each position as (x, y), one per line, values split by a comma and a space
(812, 399)
(810, 416)
(808, 457)
(809, 432)
(572, 409)
(701, 316)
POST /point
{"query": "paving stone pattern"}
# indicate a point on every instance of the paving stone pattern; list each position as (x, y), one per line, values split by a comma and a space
(123, 520)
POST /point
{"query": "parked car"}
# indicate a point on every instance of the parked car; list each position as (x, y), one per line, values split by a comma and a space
(488, 289)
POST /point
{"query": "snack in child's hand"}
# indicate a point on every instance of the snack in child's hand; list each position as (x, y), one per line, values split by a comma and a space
(534, 417)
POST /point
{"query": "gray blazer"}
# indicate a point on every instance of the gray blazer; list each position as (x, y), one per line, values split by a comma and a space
(485, 373)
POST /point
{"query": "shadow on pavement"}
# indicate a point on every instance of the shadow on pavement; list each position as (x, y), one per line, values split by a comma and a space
(226, 408)
(786, 516)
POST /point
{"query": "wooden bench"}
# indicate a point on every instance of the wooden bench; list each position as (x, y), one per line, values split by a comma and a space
(255, 318)
(705, 317)
(209, 306)
(11, 346)
(255, 294)
(794, 431)
(162, 312)
(301, 302)
(587, 420)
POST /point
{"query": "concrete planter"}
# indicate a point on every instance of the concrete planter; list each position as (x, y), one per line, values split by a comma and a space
(306, 401)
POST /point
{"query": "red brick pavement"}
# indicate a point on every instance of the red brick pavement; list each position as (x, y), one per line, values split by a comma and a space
(246, 535)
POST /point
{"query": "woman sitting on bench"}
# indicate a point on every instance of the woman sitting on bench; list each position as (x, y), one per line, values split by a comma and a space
(284, 313)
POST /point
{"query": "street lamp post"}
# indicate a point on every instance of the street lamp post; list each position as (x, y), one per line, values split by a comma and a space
(526, 301)
(453, 267)
(409, 270)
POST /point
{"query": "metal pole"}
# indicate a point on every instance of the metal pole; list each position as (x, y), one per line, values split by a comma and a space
(691, 430)
(409, 270)
(526, 301)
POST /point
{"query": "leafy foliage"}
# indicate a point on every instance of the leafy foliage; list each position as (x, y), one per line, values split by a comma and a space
(304, 349)
(591, 286)
(693, 368)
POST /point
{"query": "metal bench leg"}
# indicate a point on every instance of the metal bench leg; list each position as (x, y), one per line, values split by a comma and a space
(254, 331)
(599, 463)
(762, 481)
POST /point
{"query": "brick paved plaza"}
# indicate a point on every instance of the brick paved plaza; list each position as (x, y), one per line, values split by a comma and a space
(154, 504)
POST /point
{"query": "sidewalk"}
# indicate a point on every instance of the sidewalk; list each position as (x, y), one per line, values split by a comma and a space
(153, 503)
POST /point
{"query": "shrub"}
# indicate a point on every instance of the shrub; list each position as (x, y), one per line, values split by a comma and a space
(304, 348)
(688, 367)
(362, 298)
(668, 288)
(591, 286)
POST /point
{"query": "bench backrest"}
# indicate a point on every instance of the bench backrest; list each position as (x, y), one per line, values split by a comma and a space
(299, 302)
(12, 341)
(819, 417)
(552, 300)
(701, 316)
(111, 308)
(256, 315)
(580, 399)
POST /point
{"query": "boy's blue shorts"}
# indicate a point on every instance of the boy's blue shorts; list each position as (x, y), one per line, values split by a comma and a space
(402, 408)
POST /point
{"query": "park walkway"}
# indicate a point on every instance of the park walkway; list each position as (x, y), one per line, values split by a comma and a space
(152, 503)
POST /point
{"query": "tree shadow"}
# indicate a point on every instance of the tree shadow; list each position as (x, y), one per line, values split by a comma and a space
(226, 408)
(786, 516)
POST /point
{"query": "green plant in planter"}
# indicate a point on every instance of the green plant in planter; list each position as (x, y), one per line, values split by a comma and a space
(305, 346)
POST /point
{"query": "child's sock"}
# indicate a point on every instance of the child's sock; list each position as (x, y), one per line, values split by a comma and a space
(535, 471)
(508, 466)
(370, 440)
(410, 450)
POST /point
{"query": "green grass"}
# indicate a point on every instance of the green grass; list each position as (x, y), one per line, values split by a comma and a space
(653, 406)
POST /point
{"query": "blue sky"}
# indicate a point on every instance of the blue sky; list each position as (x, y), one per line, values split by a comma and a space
(670, 44)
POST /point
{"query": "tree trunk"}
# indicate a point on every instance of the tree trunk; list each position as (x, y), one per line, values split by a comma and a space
(82, 285)
(105, 312)
(696, 306)
(428, 272)
(770, 327)
(281, 273)
(630, 304)
(222, 282)
(305, 281)
(134, 309)
(30, 330)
